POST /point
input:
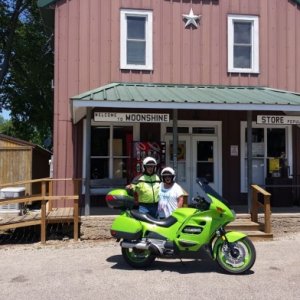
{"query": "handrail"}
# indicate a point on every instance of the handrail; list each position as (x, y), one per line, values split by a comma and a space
(48, 179)
(46, 197)
(266, 206)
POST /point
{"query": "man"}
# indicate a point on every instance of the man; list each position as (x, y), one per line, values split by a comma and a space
(147, 187)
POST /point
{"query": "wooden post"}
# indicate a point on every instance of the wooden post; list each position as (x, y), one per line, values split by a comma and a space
(43, 214)
(50, 194)
(267, 214)
(76, 209)
(185, 198)
(254, 205)
(76, 221)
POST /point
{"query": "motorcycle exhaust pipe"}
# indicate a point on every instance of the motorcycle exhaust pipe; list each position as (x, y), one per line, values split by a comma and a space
(143, 246)
(140, 245)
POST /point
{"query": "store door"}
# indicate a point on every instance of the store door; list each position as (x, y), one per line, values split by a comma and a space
(197, 156)
(183, 175)
(205, 162)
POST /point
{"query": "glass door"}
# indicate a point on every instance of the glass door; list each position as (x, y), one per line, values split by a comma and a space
(205, 162)
(183, 176)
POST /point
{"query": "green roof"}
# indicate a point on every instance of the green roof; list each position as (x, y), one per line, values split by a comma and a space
(45, 3)
(185, 96)
(181, 93)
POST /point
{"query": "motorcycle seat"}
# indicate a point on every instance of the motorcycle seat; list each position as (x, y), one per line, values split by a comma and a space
(147, 218)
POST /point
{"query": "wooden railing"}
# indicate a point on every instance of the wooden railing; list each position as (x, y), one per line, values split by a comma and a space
(265, 206)
(48, 214)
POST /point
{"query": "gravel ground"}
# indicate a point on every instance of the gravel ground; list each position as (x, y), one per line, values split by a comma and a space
(96, 270)
(284, 225)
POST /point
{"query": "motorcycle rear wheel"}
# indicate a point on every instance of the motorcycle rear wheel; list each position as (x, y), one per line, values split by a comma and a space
(138, 258)
(238, 260)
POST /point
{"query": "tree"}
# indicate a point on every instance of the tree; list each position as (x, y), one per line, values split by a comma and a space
(10, 12)
(26, 70)
(6, 127)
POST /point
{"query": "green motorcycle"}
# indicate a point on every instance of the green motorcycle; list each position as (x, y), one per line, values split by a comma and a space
(190, 232)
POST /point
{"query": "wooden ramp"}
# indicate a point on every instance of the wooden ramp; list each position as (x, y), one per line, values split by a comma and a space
(56, 215)
(10, 222)
(47, 214)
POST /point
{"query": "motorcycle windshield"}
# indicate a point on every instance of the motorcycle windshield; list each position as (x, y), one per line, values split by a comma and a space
(207, 189)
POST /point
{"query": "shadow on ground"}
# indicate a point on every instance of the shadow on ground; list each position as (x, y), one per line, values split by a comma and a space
(185, 266)
(32, 234)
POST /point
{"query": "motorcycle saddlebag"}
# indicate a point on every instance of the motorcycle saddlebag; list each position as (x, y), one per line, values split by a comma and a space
(124, 227)
(119, 198)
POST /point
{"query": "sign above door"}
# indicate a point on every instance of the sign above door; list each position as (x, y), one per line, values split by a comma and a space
(131, 117)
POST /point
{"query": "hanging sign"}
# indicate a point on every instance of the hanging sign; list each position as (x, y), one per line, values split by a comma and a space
(278, 120)
(131, 117)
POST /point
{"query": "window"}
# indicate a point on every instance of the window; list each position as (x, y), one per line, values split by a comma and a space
(271, 145)
(136, 40)
(110, 151)
(243, 44)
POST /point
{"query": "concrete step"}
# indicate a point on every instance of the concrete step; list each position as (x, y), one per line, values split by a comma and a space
(253, 230)
(259, 235)
(243, 224)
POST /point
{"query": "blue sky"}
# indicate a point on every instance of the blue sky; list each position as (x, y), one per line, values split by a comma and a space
(5, 114)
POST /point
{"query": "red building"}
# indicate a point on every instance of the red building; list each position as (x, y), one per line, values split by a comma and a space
(198, 73)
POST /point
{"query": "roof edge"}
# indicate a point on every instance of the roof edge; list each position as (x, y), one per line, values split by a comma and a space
(45, 3)
(115, 84)
(22, 142)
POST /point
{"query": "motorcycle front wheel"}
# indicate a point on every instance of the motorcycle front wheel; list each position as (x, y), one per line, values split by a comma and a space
(138, 258)
(237, 258)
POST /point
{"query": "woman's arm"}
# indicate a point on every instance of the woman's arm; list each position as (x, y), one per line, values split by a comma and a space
(180, 201)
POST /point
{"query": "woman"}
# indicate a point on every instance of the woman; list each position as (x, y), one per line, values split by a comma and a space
(170, 193)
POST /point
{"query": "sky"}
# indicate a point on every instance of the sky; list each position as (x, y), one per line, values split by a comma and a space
(5, 114)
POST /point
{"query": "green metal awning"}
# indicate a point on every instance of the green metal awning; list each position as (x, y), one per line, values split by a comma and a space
(45, 3)
(182, 96)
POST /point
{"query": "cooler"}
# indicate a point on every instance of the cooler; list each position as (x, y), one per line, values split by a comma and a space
(12, 192)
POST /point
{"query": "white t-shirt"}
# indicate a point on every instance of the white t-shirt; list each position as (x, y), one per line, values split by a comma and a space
(168, 199)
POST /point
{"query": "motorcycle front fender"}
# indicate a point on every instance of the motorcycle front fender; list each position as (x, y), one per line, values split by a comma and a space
(231, 236)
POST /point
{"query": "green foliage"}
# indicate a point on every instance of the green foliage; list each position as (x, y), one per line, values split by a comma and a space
(26, 89)
(6, 127)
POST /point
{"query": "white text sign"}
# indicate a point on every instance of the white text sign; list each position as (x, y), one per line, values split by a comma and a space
(130, 117)
(278, 120)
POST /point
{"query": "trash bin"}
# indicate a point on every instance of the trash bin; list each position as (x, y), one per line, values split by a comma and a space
(12, 192)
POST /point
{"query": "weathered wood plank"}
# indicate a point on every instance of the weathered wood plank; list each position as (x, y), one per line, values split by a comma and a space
(22, 224)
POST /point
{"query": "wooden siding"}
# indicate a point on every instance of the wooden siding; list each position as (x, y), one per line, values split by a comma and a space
(88, 44)
(15, 165)
(87, 51)
(21, 161)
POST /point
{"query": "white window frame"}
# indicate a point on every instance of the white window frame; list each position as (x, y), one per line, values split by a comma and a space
(289, 150)
(136, 134)
(254, 20)
(124, 13)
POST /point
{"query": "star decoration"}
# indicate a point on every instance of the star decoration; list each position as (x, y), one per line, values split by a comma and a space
(191, 19)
